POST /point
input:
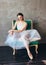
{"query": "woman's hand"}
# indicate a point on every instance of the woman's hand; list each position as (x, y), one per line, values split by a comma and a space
(11, 32)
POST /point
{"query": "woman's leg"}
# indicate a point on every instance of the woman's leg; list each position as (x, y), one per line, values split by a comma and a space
(26, 44)
(28, 51)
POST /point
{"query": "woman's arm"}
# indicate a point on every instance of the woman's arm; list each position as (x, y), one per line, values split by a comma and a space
(12, 24)
(13, 27)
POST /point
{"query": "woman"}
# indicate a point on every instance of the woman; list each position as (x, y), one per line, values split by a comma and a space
(21, 35)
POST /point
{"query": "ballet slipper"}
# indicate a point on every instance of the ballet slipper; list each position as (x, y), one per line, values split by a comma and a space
(30, 56)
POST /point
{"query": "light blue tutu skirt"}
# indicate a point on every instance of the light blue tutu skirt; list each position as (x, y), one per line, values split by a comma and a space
(17, 40)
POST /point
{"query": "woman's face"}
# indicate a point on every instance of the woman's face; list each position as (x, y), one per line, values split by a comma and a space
(20, 18)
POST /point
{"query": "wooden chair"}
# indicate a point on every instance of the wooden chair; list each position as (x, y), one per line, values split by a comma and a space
(30, 26)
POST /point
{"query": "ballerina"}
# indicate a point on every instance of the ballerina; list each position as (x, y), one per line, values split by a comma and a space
(20, 38)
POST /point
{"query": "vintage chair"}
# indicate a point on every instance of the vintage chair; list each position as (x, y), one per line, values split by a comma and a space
(30, 26)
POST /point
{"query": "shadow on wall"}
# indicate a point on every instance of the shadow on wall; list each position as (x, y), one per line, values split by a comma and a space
(40, 26)
(36, 26)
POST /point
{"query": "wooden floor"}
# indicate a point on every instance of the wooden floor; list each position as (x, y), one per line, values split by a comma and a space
(21, 57)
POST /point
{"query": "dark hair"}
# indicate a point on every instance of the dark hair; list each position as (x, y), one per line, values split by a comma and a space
(20, 14)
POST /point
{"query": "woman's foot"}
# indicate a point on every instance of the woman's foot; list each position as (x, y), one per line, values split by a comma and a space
(14, 52)
(30, 56)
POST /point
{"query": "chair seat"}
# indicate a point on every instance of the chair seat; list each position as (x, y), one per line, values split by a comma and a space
(34, 43)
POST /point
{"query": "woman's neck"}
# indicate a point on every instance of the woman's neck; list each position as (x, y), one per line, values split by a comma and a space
(21, 21)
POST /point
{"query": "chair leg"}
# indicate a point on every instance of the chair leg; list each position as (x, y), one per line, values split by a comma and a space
(36, 49)
(13, 51)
